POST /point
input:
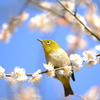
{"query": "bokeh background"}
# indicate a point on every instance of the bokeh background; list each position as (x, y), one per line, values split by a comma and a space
(25, 51)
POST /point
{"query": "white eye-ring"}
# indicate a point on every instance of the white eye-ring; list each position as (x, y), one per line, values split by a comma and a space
(48, 42)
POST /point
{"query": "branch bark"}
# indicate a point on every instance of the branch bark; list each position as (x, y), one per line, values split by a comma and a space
(75, 16)
(9, 75)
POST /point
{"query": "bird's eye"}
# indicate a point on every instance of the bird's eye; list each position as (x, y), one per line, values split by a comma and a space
(48, 42)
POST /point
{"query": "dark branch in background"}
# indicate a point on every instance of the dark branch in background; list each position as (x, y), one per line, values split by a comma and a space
(97, 55)
(24, 6)
(88, 29)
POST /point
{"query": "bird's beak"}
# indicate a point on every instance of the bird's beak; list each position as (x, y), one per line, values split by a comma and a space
(40, 40)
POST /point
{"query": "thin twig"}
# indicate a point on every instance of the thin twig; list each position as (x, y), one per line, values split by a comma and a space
(97, 55)
(75, 12)
(24, 6)
(81, 97)
(87, 28)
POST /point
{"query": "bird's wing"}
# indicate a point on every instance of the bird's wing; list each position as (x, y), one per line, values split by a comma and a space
(73, 76)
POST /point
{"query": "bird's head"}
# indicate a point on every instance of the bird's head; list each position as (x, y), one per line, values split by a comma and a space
(49, 45)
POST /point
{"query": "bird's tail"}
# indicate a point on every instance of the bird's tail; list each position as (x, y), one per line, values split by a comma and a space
(68, 90)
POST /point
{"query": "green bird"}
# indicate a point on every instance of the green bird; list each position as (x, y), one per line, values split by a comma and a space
(59, 58)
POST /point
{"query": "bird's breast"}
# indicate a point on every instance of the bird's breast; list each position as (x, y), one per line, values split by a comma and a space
(58, 57)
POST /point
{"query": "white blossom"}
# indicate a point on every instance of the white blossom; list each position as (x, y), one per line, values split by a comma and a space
(19, 74)
(79, 2)
(11, 27)
(50, 69)
(71, 37)
(46, 4)
(91, 62)
(74, 39)
(18, 20)
(76, 61)
(76, 67)
(4, 25)
(98, 59)
(97, 47)
(69, 4)
(93, 93)
(76, 25)
(67, 70)
(76, 58)
(93, 19)
(36, 77)
(2, 74)
(87, 55)
(5, 35)
(44, 22)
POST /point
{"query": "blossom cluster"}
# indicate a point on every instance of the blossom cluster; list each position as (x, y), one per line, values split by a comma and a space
(8, 29)
(89, 58)
(44, 22)
(55, 15)
(19, 75)
(26, 92)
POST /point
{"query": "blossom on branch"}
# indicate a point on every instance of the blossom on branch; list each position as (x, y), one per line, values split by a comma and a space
(2, 74)
(19, 74)
(69, 4)
(46, 4)
(4, 34)
(76, 67)
(97, 47)
(92, 17)
(76, 25)
(88, 55)
(67, 70)
(36, 77)
(76, 42)
(50, 69)
(18, 20)
(8, 29)
(91, 62)
(44, 22)
(98, 59)
(76, 58)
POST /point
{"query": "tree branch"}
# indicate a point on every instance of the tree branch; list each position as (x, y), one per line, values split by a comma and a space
(9, 75)
(97, 55)
(37, 3)
(87, 28)
(61, 68)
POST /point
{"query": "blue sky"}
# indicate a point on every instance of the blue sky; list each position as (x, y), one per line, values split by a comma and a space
(25, 51)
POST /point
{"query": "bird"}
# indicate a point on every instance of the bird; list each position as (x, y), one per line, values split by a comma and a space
(59, 58)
